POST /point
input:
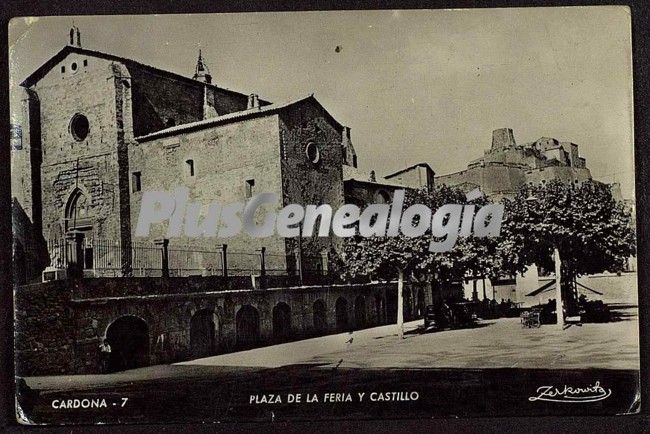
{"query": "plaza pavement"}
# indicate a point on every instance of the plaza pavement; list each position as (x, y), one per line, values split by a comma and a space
(500, 343)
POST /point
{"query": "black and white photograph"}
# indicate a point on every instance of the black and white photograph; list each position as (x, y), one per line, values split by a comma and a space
(323, 215)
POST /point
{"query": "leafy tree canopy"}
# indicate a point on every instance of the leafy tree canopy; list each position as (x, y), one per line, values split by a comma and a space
(382, 257)
(592, 231)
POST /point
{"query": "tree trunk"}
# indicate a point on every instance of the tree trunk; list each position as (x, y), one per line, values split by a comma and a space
(559, 311)
(400, 304)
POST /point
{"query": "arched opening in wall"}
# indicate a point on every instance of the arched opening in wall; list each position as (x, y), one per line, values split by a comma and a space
(360, 312)
(380, 307)
(128, 337)
(408, 311)
(341, 308)
(247, 322)
(420, 303)
(203, 333)
(281, 322)
(320, 316)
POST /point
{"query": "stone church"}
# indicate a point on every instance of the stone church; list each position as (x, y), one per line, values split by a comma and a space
(98, 129)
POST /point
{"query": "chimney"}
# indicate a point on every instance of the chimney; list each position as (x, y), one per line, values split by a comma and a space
(503, 138)
(253, 101)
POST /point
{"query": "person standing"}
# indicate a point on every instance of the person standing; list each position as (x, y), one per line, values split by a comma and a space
(105, 355)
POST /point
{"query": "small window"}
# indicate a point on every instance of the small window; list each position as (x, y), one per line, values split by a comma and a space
(250, 183)
(136, 181)
(85, 62)
(74, 66)
(63, 70)
(190, 167)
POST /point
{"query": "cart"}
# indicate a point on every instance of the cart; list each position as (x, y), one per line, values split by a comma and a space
(530, 319)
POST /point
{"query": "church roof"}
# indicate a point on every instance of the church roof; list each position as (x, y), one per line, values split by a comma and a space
(254, 112)
(37, 75)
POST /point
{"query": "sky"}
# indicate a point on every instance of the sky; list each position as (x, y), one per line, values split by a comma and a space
(413, 86)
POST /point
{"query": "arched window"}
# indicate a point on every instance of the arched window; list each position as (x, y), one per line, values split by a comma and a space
(190, 167)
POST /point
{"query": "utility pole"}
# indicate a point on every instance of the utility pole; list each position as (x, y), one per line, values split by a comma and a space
(300, 276)
(400, 304)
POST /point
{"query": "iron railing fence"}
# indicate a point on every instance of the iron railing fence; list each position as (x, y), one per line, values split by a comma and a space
(104, 258)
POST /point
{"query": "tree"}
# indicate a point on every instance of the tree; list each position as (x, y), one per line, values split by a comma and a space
(386, 257)
(382, 257)
(591, 232)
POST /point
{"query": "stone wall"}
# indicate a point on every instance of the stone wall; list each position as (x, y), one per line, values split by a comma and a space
(44, 329)
(161, 101)
(562, 173)
(309, 182)
(493, 179)
(418, 176)
(61, 324)
(63, 93)
(225, 159)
